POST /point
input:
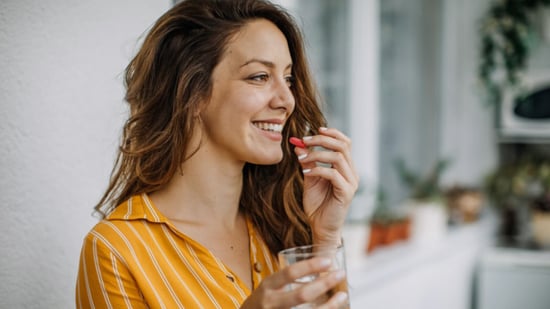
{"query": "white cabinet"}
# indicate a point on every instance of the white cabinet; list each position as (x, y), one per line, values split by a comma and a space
(513, 278)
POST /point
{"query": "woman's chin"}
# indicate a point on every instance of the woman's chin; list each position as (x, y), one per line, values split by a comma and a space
(269, 160)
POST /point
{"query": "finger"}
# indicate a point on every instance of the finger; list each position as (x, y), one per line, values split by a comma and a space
(335, 160)
(317, 289)
(343, 190)
(337, 141)
(337, 301)
(332, 132)
(298, 270)
(327, 142)
(301, 154)
(334, 140)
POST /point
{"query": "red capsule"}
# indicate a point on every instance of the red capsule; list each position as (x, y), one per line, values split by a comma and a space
(297, 142)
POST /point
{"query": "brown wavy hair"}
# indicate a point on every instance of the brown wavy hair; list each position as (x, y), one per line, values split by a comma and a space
(169, 79)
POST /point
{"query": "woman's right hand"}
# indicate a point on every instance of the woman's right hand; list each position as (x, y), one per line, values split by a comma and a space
(272, 291)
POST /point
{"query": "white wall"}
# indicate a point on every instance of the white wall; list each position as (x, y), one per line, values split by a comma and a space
(468, 133)
(61, 111)
(364, 98)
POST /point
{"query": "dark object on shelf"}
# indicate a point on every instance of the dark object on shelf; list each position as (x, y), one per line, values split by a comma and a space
(509, 228)
(542, 203)
(535, 105)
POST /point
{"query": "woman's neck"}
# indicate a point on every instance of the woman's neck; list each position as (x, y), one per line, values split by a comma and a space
(204, 191)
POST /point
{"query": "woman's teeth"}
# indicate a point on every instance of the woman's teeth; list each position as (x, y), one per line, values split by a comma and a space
(266, 126)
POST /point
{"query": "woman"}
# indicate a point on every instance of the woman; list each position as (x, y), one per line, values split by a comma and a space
(206, 188)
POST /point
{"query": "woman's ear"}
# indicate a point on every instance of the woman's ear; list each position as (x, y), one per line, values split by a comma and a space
(199, 107)
(197, 112)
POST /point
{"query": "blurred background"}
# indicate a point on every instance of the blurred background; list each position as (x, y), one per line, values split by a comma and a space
(446, 101)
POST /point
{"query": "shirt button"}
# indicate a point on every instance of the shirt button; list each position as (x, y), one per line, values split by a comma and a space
(258, 267)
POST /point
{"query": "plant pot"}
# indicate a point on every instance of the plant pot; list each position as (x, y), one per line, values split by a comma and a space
(392, 233)
(465, 204)
(429, 222)
(377, 236)
(403, 229)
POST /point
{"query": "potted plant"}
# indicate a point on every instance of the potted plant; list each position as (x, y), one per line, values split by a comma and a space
(464, 204)
(387, 225)
(508, 34)
(505, 188)
(512, 188)
(426, 202)
(540, 220)
(540, 206)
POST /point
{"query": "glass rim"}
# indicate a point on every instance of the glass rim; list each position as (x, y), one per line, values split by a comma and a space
(296, 250)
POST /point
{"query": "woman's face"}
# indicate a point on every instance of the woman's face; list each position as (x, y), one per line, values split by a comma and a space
(251, 98)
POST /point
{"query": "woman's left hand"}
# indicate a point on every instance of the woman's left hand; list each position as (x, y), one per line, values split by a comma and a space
(328, 187)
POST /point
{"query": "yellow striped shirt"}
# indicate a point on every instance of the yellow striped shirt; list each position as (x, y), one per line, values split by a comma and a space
(136, 258)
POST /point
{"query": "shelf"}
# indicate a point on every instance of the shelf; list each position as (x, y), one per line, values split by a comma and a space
(518, 139)
(404, 274)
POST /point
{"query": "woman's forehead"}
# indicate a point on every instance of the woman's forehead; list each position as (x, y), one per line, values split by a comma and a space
(259, 40)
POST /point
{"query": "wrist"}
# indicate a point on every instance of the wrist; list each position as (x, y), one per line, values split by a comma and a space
(332, 239)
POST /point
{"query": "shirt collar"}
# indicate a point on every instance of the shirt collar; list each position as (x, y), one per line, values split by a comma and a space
(138, 207)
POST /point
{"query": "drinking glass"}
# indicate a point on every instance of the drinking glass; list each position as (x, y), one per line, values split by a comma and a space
(336, 254)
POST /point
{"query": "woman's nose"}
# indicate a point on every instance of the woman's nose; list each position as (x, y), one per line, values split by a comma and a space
(283, 97)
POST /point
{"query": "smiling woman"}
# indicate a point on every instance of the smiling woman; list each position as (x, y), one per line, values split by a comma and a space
(206, 188)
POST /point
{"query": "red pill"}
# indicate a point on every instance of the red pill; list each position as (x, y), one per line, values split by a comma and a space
(297, 142)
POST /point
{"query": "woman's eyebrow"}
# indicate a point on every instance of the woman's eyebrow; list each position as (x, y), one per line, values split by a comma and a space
(267, 63)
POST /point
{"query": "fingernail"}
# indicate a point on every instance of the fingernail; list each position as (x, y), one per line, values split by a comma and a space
(323, 129)
(306, 138)
(307, 170)
(302, 156)
(340, 274)
(324, 262)
(341, 297)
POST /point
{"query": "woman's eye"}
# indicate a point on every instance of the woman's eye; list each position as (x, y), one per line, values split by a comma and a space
(289, 80)
(260, 77)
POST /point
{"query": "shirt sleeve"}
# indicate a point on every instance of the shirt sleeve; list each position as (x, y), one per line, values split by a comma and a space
(104, 280)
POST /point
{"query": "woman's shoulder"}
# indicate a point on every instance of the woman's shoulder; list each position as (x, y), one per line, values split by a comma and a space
(124, 224)
(109, 232)
(124, 239)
